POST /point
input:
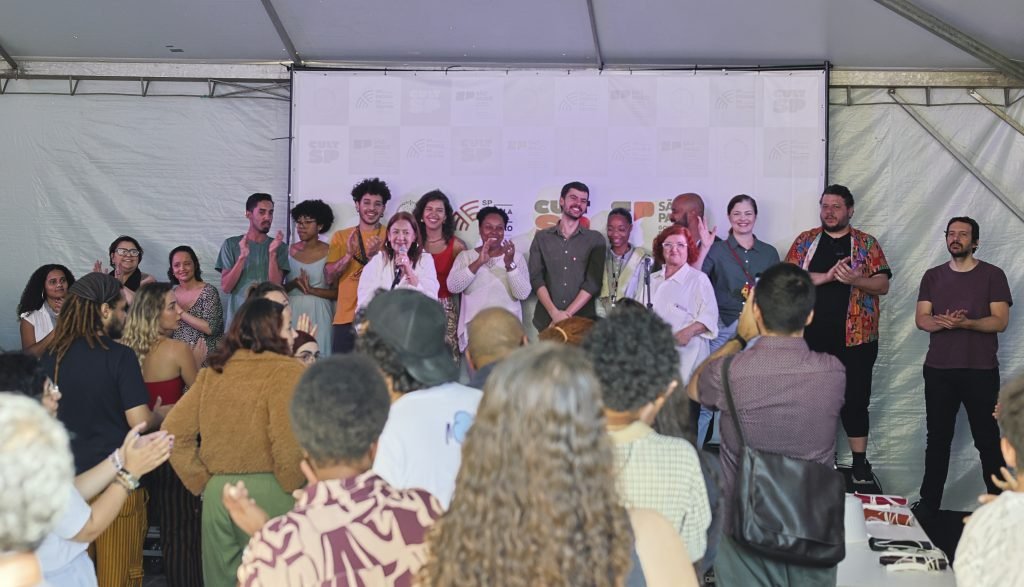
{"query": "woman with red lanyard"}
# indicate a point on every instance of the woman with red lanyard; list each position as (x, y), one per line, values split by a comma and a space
(733, 265)
(436, 220)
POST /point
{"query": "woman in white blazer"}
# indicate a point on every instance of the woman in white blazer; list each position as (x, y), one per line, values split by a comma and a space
(400, 264)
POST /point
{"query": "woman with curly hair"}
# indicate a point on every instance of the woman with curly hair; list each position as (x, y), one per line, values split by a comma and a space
(239, 407)
(401, 263)
(168, 368)
(202, 315)
(551, 514)
(308, 292)
(436, 219)
(40, 305)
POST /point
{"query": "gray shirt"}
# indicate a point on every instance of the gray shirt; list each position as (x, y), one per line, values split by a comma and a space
(257, 268)
(565, 267)
(726, 272)
(788, 399)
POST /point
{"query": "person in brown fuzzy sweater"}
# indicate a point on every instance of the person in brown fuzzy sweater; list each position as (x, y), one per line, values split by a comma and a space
(238, 407)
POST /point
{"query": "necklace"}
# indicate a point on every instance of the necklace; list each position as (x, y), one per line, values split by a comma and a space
(615, 271)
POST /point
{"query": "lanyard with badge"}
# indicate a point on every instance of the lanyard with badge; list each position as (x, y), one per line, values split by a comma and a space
(615, 271)
(750, 281)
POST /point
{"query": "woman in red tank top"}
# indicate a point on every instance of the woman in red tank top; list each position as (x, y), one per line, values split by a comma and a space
(168, 369)
(436, 220)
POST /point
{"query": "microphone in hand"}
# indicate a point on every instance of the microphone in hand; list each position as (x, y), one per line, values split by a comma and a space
(400, 260)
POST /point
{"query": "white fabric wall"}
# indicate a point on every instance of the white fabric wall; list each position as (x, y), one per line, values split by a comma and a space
(906, 188)
(77, 171)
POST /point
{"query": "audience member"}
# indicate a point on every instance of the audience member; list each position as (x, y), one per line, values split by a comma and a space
(104, 397)
(436, 221)
(202, 316)
(579, 251)
(421, 445)
(491, 275)
(788, 400)
(850, 272)
(683, 297)
(624, 265)
(570, 331)
(402, 265)
(252, 257)
(964, 304)
(239, 407)
(349, 526)
(989, 549)
(40, 305)
(688, 211)
(308, 291)
(125, 257)
(168, 368)
(37, 471)
(351, 249)
(535, 502)
(493, 334)
(305, 348)
(634, 357)
(733, 266)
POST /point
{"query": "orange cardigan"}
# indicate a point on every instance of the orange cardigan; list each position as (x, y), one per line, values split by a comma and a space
(242, 415)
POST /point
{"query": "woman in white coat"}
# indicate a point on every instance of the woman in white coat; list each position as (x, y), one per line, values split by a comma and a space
(400, 264)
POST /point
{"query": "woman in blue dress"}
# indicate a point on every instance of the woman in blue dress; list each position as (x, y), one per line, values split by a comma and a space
(308, 292)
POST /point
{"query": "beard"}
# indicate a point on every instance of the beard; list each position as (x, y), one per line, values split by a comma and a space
(840, 225)
(960, 254)
(115, 329)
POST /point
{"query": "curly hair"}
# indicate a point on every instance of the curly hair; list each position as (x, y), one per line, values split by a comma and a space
(448, 226)
(119, 240)
(256, 327)
(195, 263)
(34, 294)
(320, 212)
(390, 364)
(535, 500)
(35, 458)
(22, 373)
(372, 185)
(634, 356)
(339, 409)
(416, 249)
(142, 329)
(691, 246)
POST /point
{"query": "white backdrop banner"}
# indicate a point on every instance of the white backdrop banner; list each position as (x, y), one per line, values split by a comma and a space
(512, 139)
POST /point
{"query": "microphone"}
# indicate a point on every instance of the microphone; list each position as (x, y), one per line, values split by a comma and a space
(398, 268)
(647, 282)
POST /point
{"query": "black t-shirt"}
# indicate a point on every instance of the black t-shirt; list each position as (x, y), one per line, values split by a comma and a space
(832, 300)
(97, 386)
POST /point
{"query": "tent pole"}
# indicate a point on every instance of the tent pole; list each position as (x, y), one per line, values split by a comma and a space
(7, 57)
(281, 32)
(593, 32)
(970, 167)
(996, 110)
(955, 37)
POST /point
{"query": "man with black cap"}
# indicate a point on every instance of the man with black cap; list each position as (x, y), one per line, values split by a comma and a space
(421, 445)
(102, 397)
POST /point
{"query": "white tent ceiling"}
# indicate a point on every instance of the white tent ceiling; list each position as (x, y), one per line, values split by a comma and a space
(849, 33)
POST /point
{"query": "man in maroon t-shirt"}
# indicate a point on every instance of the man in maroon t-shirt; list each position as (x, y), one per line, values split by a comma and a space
(964, 304)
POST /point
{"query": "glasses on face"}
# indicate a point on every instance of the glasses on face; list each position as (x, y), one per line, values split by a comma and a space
(308, 357)
(127, 252)
(673, 246)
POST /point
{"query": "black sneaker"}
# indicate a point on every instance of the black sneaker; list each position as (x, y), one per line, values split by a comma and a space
(862, 474)
(923, 512)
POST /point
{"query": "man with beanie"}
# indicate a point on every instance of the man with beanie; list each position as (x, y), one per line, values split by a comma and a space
(421, 445)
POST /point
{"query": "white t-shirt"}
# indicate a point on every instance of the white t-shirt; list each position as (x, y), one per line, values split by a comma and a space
(41, 320)
(989, 549)
(64, 561)
(421, 445)
(681, 300)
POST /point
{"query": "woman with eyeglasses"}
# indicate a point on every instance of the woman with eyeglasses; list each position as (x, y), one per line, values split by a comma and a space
(125, 257)
(305, 348)
(40, 305)
(684, 298)
(308, 291)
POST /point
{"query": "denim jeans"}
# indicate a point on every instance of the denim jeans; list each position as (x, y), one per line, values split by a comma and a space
(725, 332)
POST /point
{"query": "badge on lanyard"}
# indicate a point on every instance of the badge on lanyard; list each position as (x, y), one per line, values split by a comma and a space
(745, 292)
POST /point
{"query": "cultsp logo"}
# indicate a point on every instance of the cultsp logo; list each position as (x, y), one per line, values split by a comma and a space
(324, 151)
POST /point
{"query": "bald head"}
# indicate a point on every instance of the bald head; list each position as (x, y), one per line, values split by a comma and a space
(686, 207)
(493, 334)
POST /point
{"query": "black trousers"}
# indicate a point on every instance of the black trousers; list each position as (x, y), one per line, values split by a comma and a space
(179, 515)
(944, 391)
(860, 364)
(343, 339)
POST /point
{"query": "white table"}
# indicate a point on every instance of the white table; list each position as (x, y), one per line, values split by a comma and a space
(861, 568)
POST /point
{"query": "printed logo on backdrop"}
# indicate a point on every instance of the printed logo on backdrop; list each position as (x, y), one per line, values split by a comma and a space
(465, 215)
(426, 148)
(581, 101)
(477, 104)
(374, 101)
(683, 152)
(373, 151)
(426, 102)
(789, 101)
(733, 102)
(640, 209)
(528, 151)
(322, 152)
(791, 153)
(631, 101)
(476, 151)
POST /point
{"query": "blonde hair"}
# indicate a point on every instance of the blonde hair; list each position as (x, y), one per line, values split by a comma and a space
(142, 329)
(535, 500)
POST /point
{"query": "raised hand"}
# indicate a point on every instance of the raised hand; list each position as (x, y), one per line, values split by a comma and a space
(199, 351)
(353, 242)
(842, 272)
(373, 246)
(707, 237)
(303, 282)
(510, 251)
(97, 267)
(243, 510)
(278, 239)
(485, 250)
(243, 248)
(305, 324)
(142, 454)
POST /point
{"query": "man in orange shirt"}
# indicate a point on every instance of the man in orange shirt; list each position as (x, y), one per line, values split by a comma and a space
(351, 249)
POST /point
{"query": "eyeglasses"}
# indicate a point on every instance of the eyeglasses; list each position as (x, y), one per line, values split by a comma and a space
(670, 246)
(306, 356)
(128, 252)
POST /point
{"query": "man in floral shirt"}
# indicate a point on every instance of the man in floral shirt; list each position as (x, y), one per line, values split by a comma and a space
(850, 272)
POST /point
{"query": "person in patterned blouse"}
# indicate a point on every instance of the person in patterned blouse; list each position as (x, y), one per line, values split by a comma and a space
(349, 526)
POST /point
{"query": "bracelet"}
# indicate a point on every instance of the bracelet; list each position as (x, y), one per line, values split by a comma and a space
(127, 480)
(741, 340)
(115, 459)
